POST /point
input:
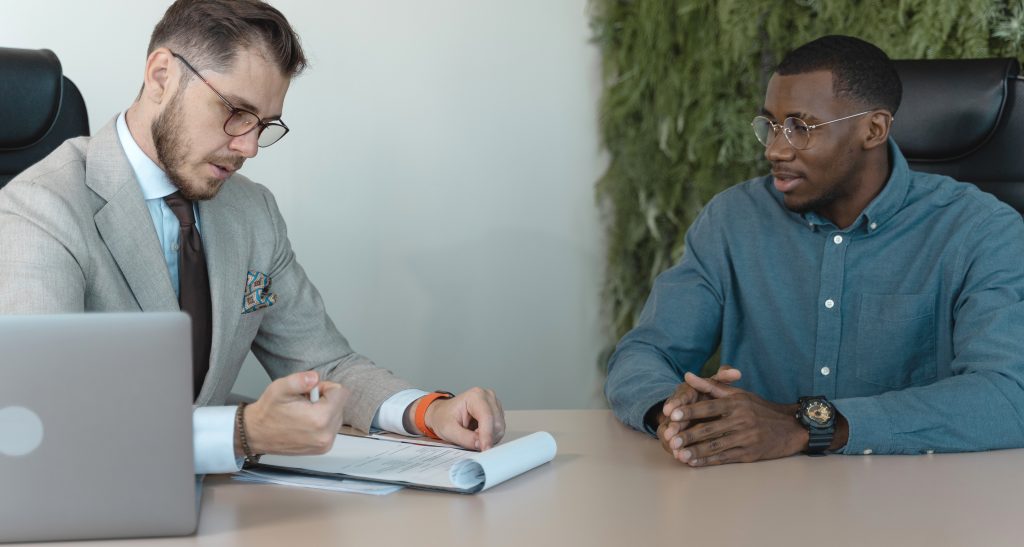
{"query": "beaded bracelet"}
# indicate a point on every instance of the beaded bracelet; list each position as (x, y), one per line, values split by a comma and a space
(250, 456)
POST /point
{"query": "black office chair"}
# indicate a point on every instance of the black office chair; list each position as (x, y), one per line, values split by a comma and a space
(965, 118)
(39, 109)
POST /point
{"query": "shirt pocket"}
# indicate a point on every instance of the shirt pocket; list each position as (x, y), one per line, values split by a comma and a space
(896, 339)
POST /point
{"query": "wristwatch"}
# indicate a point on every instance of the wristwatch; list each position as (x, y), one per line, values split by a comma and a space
(818, 415)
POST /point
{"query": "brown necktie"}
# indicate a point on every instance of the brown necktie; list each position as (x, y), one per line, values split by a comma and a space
(194, 287)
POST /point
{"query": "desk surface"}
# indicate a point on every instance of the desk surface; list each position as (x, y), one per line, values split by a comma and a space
(612, 486)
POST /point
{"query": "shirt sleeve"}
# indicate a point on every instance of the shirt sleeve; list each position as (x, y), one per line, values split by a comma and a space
(213, 440)
(981, 406)
(389, 416)
(650, 361)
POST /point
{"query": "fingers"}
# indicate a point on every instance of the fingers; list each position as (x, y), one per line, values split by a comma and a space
(466, 438)
(684, 395)
(671, 440)
(708, 387)
(701, 410)
(285, 421)
(732, 455)
(499, 421)
(699, 453)
(481, 410)
(687, 392)
(472, 419)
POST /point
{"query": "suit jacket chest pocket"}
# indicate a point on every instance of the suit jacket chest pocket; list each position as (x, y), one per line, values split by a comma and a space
(896, 339)
(249, 324)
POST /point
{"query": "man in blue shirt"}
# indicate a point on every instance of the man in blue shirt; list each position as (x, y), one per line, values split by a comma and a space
(866, 308)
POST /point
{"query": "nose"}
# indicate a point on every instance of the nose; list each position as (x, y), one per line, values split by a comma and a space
(778, 148)
(247, 145)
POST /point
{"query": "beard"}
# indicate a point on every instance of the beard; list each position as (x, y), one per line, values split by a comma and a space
(172, 148)
(816, 203)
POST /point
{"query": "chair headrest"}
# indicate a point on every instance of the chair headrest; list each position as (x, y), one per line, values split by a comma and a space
(950, 108)
(30, 95)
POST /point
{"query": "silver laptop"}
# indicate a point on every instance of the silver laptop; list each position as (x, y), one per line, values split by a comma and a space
(96, 426)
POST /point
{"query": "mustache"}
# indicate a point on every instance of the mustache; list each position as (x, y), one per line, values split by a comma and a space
(233, 162)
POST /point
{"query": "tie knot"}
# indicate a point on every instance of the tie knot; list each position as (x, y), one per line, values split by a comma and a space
(182, 208)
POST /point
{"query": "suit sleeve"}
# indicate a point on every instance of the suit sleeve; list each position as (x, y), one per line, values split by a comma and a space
(42, 256)
(296, 334)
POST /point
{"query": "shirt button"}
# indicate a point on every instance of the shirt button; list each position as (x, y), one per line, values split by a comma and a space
(874, 225)
(830, 303)
(838, 239)
(868, 452)
(175, 247)
(825, 371)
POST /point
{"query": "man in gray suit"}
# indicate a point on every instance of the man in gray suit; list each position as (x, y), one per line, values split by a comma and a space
(150, 214)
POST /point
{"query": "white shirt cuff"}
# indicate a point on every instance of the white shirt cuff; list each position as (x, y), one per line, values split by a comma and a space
(389, 416)
(213, 440)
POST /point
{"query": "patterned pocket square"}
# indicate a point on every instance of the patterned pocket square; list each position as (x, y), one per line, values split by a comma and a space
(257, 292)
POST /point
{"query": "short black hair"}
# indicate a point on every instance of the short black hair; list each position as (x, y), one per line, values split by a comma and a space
(860, 70)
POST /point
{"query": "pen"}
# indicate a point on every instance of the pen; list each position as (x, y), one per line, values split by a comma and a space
(314, 395)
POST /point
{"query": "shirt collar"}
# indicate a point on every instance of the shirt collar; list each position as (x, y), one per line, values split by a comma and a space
(887, 203)
(154, 182)
(890, 200)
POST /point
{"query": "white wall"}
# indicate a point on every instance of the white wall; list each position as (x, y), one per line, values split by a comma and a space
(438, 179)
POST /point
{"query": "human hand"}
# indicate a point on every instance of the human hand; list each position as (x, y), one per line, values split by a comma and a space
(670, 421)
(734, 426)
(472, 419)
(284, 421)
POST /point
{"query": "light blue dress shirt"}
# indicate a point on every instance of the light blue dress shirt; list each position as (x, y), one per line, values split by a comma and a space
(911, 320)
(214, 426)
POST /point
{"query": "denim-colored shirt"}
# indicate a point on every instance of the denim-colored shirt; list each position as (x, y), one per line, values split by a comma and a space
(910, 320)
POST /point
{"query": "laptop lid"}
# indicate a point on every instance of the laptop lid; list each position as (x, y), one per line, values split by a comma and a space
(96, 426)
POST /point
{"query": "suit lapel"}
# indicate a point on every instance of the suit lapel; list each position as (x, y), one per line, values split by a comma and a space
(125, 225)
(223, 239)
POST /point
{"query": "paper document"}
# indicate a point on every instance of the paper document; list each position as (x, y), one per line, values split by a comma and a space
(422, 466)
(267, 476)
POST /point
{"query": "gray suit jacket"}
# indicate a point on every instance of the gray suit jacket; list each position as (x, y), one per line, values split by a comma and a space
(75, 235)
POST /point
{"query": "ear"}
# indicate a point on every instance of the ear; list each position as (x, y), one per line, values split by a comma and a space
(157, 81)
(879, 123)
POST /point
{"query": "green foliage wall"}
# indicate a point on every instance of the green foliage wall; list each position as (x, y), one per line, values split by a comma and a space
(684, 78)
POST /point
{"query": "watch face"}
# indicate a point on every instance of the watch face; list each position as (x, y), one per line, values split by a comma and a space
(818, 412)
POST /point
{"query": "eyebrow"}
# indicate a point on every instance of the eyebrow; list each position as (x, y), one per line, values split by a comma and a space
(802, 115)
(239, 102)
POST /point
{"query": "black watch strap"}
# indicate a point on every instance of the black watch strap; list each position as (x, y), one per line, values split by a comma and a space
(819, 440)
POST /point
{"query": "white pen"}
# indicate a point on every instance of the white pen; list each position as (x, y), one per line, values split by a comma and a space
(314, 395)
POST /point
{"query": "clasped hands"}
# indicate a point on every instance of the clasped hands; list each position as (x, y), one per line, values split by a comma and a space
(284, 421)
(707, 421)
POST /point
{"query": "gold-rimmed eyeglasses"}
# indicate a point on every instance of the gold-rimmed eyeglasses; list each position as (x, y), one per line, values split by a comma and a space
(241, 121)
(797, 131)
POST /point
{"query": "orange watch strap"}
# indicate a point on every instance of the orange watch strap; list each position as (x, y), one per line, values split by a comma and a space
(421, 411)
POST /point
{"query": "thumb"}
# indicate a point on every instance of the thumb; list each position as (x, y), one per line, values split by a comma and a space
(707, 387)
(727, 375)
(296, 384)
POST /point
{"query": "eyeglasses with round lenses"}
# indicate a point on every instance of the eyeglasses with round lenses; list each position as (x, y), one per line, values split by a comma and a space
(796, 131)
(241, 121)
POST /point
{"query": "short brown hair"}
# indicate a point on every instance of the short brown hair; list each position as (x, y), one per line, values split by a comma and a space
(210, 33)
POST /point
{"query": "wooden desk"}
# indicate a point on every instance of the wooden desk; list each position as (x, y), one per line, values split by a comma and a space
(612, 486)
